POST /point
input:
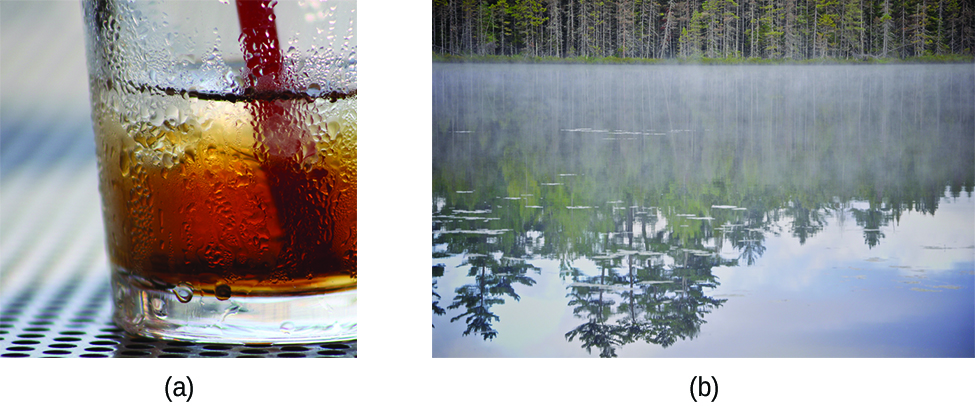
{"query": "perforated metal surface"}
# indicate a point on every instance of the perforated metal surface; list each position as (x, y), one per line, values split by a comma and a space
(75, 321)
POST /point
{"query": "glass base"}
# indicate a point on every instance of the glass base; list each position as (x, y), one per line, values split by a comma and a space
(188, 316)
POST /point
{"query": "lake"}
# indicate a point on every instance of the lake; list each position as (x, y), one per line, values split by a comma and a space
(703, 211)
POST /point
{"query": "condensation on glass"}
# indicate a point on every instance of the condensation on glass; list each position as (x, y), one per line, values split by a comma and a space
(228, 189)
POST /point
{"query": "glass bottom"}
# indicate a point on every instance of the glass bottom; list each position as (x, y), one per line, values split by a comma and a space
(187, 316)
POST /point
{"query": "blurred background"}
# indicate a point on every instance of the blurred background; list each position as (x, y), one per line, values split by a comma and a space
(50, 224)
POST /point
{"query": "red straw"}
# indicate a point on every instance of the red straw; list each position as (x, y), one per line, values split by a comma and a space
(259, 36)
(306, 237)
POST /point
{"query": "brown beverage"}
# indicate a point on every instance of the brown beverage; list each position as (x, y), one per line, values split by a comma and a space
(228, 195)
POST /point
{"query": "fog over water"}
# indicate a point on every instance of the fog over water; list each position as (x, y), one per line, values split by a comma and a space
(714, 211)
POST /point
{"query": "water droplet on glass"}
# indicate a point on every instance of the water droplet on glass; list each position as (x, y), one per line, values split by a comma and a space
(158, 307)
(168, 160)
(287, 327)
(120, 291)
(230, 78)
(222, 291)
(172, 113)
(314, 90)
(183, 292)
(125, 163)
(299, 61)
(334, 128)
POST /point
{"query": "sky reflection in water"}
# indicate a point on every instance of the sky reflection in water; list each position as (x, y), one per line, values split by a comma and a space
(703, 212)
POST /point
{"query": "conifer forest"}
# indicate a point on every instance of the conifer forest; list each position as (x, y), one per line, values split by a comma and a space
(687, 29)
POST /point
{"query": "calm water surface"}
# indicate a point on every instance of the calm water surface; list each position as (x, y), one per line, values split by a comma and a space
(679, 211)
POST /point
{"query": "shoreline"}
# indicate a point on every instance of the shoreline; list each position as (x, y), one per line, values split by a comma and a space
(500, 59)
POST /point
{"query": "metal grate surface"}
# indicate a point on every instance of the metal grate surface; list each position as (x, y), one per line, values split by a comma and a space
(71, 323)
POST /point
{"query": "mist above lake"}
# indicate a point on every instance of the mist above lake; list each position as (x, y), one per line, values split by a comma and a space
(632, 210)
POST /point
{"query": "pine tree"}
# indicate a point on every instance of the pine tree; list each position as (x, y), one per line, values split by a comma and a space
(919, 34)
(771, 32)
(626, 28)
(851, 29)
(827, 20)
(792, 29)
(886, 22)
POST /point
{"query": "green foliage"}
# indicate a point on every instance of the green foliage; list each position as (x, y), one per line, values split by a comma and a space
(691, 29)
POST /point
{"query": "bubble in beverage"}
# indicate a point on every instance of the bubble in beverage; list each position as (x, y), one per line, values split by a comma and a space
(183, 292)
(222, 291)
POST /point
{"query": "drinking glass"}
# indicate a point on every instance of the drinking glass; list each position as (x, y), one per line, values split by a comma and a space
(226, 145)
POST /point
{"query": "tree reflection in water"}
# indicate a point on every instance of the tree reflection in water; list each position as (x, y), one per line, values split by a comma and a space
(652, 283)
(493, 281)
(657, 304)
(638, 196)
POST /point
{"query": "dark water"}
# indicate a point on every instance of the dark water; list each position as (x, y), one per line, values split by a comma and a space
(676, 211)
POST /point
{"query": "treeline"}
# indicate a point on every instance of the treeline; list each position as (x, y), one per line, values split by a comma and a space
(772, 29)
